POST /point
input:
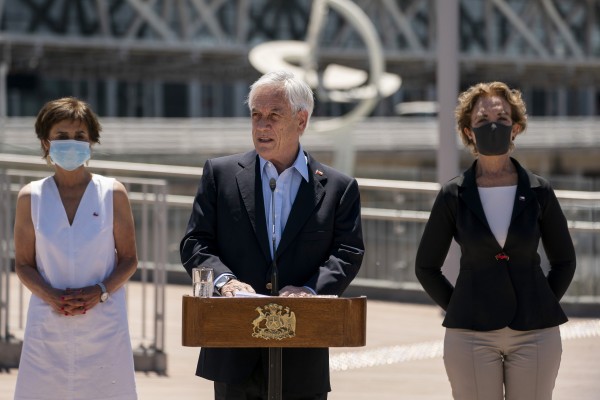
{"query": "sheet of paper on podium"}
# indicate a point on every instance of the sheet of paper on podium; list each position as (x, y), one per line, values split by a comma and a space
(240, 293)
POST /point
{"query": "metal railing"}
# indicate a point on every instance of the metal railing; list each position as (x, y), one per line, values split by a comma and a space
(10, 348)
(148, 200)
(394, 215)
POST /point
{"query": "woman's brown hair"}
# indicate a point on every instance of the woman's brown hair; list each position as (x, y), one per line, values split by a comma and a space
(66, 108)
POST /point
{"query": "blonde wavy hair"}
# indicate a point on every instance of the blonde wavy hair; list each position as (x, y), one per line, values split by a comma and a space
(468, 99)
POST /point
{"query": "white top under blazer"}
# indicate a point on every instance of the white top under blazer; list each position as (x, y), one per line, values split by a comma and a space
(498, 204)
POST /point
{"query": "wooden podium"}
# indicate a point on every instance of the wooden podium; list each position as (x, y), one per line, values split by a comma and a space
(274, 321)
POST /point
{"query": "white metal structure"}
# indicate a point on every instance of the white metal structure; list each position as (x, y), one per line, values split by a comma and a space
(122, 55)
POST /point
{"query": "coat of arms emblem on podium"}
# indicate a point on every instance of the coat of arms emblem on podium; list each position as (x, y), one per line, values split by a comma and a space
(274, 322)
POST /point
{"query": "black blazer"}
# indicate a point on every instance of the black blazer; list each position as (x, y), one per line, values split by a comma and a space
(495, 292)
(321, 247)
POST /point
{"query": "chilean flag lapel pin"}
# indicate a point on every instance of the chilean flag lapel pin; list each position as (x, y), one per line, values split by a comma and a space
(319, 172)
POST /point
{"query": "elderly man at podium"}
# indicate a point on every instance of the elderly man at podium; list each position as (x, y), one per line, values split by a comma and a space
(274, 221)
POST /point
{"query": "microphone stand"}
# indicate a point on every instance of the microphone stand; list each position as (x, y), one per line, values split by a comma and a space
(274, 272)
(275, 371)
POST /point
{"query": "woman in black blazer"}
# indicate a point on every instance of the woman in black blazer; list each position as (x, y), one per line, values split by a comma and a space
(502, 316)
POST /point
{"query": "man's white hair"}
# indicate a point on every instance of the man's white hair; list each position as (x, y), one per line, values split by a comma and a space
(298, 93)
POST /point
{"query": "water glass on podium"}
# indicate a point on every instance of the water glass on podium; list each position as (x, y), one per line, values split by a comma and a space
(202, 279)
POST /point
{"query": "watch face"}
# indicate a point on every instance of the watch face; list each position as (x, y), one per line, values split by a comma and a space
(104, 297)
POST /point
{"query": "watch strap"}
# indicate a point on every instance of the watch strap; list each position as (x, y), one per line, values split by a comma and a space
(103, 296)
(222, 281)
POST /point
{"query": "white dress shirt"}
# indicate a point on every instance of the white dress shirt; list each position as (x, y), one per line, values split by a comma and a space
(288, 183)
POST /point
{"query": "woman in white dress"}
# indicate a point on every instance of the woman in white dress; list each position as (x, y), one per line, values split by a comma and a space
(74, 249)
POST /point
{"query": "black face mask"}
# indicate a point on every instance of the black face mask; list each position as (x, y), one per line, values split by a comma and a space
(493, 139)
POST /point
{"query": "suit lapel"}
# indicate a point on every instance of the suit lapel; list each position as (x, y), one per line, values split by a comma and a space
(249, 185)
(308, 197)
(470, 195)
(525, 195)
(524, 192)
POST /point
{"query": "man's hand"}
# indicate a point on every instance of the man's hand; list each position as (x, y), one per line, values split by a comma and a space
(229, 289)
(294, 291)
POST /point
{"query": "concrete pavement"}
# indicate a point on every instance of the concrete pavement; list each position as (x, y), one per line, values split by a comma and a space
(401, 360)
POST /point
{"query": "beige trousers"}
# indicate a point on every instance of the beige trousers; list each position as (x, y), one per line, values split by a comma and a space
(521, 365)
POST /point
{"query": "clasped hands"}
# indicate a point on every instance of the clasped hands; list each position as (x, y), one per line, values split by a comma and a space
(230, 288)
(77, 301)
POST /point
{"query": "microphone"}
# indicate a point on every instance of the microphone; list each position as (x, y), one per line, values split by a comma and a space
(275, 386)
(274, 273)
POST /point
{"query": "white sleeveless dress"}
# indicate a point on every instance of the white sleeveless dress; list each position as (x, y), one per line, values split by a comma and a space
(76, 357)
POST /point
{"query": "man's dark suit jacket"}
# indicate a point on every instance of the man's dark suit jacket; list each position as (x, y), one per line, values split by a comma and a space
(321, 247)
(495, 292)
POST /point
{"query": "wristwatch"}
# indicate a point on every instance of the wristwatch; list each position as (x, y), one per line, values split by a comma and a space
(104, 295)
(219, 285)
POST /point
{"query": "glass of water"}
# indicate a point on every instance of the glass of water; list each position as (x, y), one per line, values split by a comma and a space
(202, 279)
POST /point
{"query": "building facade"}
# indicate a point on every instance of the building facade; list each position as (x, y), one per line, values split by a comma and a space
(189, 58)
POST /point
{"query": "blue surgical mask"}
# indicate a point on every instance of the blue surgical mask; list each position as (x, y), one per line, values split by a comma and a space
(69, 154)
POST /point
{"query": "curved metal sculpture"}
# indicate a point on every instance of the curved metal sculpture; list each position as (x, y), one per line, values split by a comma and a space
(337, 83)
